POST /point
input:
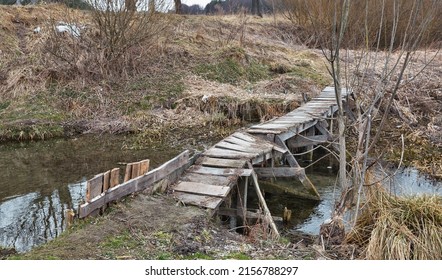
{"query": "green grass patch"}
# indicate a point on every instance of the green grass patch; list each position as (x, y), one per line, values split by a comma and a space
(122, 241)
(230, 71)
(238, 256)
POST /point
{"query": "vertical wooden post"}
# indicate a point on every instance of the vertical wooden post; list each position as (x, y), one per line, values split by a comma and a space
(69, 215)
(241, 202)
(310, 132)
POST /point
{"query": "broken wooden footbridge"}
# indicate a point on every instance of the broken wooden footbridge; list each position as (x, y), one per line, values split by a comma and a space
(220, 178)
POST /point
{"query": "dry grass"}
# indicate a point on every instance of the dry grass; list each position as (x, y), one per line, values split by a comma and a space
(399, 228)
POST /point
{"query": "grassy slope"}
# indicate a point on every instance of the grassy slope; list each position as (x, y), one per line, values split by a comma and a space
(238, 61)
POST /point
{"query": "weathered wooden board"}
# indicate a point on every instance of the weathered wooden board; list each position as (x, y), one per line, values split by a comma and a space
(144, 166)
(209, 202)
(106, 180)
(135, 172)
(239, 148)
(209, 179)
(265, 131)
(219, 171)
(202, 188)
(229, 154)
(278, 172)
(128, 172)
(237, 141)
(94, 187)
(114, 177)
(244, 136)
(270, 126)
(220, 162)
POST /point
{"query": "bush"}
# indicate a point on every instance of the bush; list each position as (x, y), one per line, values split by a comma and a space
(368, 20)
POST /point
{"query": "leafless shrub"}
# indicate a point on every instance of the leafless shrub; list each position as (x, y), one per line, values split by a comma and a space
(109, 41)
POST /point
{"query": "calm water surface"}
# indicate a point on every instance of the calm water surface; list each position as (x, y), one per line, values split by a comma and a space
(39, 180)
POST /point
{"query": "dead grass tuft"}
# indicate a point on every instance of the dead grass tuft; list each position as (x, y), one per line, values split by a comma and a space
(399, 228)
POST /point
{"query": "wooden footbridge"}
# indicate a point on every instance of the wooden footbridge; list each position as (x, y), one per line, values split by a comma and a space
(223, 174)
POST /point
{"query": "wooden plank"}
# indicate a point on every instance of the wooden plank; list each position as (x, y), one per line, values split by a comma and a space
(219, 171)
(223, 153)
(209, 179)
(128, 173)
(114, 177)
(144, 166)
(135, 172)
(209, 202)
(241, 142)
(94, 187)
(106, 180)
(239, 148)
(220, 162)
(244, 136)
(202, 189)
(271, 126)
(265, 131)
(279, 172)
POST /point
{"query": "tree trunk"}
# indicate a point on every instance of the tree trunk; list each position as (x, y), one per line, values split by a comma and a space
(256, 8)
(151, 7)
(178, 7)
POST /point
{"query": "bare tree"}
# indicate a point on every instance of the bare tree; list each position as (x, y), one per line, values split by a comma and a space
(178, 6)
(368, 45)
(256, 8)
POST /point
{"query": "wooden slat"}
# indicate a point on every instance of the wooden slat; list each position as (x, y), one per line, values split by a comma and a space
(94, 187)
(220, 162)
(135, 172)
(114, 177)
(271, 126)
(223, 153)
(258, 143)
(106, 180)
(244, 136)
(239, 148)
(209, 179)
(265, 131)
(219, 171)
(144, 166)
(279, 172)
(209, 202)
(202, 188)
(128, 173)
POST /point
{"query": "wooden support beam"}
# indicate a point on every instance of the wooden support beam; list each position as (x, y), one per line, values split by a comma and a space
(263, 203)
(248, 214)
(279, 172)
(303, 141)
(302, 177)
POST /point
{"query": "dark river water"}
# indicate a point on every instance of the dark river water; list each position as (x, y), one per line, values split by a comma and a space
(40, 180)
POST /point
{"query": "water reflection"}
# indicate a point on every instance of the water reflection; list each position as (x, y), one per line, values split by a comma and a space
(40, 180)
